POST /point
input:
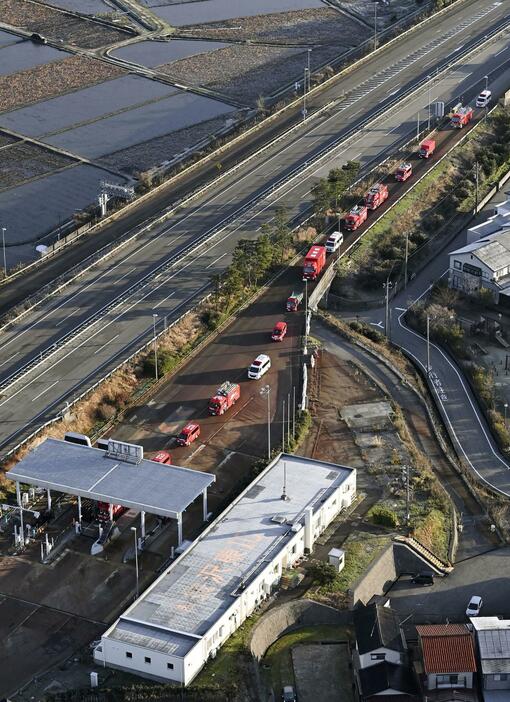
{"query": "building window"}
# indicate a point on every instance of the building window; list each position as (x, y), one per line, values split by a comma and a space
(294, 549)
(147, 659)
(377, 656)
(129, 654)
(170, 666)
(500, 677)
(457, 265)
(447, 679)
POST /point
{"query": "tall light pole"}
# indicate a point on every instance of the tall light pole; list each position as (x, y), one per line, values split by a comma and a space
(429, 118)
(283, 428)
(304, 94)
(506, 407)
(133, 529)
(3, 244)
(266, 390)
(387, 285)
(154, 317)
(486, 79)
(418, 128)
(428, 346)
(309, 71)
(375, 25)
(406, 260)
(293, 411)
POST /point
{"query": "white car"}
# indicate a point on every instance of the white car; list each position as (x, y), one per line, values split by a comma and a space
(474, 607)
(334, 242)
(484, 98)
(259, 366)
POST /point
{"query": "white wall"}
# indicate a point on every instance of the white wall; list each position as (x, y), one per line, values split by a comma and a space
(114, 653)
(365, 659)
(464, 680)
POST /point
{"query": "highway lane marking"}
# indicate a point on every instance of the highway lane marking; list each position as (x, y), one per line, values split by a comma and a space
(105, 344)
(9, 359)
(401, 309)
(125, 274)
(45, 390)
(394, 92)
(218, 259)
(235, 183)
(501, 52)
(164, 300)
(58, 323)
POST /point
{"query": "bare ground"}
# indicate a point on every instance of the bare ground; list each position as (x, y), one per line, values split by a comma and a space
(23, 161)
(306, 27)
(245, 73)
(53, 23)
(52, 79)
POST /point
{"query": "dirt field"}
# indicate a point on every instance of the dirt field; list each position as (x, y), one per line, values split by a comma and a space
(57, 25)
(246, 72)
(52, 79)
(386, 14)
(307, 27)
(21, 162)
(146, 155)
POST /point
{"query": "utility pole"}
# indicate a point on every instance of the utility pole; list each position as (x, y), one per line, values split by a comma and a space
(430, 116)
(288, 418)
(428, 345)
(266, 390)
(306, 317)
(418, 128)
(309, 71)
(406, 468)
(154, 317)
(406, 260)
(293, 411)
(387, 285)
(304, 94)
(477, 166)
(375, 25)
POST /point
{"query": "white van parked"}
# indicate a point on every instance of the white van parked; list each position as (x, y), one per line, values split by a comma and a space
(334, 242)
(259, 366)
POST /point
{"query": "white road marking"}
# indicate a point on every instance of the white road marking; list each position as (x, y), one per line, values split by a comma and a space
(218, 259)
(125, 274)
(401, 309)
(394, 92)
(64, 319)
(9, 359)
(45, 390)
(164, 300)
(106, 344)
(502, 51)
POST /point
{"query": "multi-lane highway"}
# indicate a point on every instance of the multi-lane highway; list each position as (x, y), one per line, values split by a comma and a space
(163, 272)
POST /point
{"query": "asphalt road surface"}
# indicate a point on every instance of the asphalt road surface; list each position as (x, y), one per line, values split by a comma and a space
(459, 408)
(36, 397)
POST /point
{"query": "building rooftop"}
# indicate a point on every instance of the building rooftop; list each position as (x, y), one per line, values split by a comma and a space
(156, 488)
(493, 250)
(376, 679)
(493, 636)
(182, 605)
(447, 648)
(377, 626)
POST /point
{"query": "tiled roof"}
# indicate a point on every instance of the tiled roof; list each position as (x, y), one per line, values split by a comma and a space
(447, 648)
(384, 676)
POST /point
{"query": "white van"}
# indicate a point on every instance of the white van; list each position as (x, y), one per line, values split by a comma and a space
(259, 366)
(334, 242)
(484, 98)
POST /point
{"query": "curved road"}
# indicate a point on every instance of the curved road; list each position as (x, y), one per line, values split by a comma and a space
(144, 278)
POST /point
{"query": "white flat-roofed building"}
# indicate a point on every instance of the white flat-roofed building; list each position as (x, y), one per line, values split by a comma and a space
(171, 631)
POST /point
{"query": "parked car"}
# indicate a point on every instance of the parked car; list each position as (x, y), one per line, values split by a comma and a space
(279, 331)
(288, 694)
(188, 434)
(426, 578)
(334, 242)
(259, 367)
(474, 607)
(484, 98)
(163, 457)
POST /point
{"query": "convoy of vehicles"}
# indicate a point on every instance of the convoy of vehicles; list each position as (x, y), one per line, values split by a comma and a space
(259, 367)
(226, 395)
(188, 434)
(356, 217)
(279, 331)
(461, 117)
(377, 194)
(314, 262)
(334, 242)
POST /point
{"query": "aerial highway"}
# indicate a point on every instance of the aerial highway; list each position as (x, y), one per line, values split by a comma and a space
(74, 337)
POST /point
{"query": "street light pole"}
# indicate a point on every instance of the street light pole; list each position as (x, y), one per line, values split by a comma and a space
(154, 317)
(486, 78)
(429, 119)
(306, 316)
(375, 25)
(283, 428)
(304, 94)
(428, 345)
(387, 285)
(406, 260)
(3, 244)
(133, 529)
(266, 390)
(309, 72)
(506, 407)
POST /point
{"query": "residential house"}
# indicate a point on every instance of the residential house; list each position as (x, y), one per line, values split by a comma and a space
(493, 639)
(387, 682)
(448, 654)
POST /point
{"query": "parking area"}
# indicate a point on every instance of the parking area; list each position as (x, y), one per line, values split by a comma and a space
(486, 575)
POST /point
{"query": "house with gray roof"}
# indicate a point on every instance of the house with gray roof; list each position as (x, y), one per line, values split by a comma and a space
(493, 640)
(483, 264)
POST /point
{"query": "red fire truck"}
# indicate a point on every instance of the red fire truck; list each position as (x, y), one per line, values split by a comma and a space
(427, 148)
(294, 301)
(461, 117)
(377, 194)
(356, 217)
(163, 457)
(403, 172)
(315, 260)
(188, 434)
(226, 395)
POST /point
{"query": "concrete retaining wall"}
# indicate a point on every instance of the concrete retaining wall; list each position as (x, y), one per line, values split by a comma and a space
(290, 616)
(379, 577)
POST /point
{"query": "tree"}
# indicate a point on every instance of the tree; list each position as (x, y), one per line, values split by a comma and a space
(322, 573)
(321, 197)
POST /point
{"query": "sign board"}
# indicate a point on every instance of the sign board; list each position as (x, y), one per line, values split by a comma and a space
(439, 109)
(472, 270)
(131, 453)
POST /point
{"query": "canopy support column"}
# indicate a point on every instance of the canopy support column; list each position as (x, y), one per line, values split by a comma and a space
(48, 493)
(204, 503)
(142, 524)
(179, 528)
(79, 510)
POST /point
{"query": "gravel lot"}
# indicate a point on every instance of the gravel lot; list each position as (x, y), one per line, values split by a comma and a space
(244, 73)
(386, 14)
(21, 162)
(51, 79)
(308, 27)
(57, 25)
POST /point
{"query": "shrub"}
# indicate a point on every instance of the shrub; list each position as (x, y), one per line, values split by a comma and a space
(383, 516)
(322, 573)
